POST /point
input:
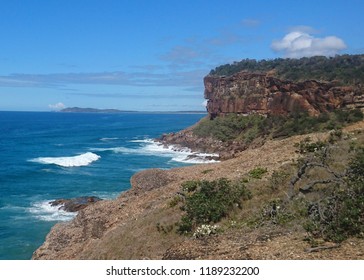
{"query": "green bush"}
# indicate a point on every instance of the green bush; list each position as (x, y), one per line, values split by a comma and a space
(348, 116)
(210, 202)
(341, 215)
(257, 173)
(306, 146)
(230, 127)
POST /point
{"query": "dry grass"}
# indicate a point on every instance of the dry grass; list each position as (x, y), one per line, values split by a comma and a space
(130, 223)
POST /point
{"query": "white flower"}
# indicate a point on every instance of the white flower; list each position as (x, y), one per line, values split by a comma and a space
(205, 230)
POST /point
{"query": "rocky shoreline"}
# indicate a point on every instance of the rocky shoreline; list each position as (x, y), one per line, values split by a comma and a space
(219, 150)
(74, 204)
(135, 225)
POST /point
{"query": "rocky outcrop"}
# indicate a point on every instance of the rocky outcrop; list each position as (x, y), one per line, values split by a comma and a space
(217, 149)
(74, 204)
(247, 92)
(149, 179)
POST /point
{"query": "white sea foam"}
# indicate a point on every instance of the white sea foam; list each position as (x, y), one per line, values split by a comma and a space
(149, 147)
(107, 139)
(142, 141)
(80, 160)
(43, 211)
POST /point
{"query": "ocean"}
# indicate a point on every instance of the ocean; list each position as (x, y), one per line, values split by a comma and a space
(47, 156)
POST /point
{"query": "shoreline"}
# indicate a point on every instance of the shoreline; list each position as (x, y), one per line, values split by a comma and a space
(126, 227)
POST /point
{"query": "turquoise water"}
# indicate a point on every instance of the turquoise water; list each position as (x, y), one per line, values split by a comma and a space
(45, 156)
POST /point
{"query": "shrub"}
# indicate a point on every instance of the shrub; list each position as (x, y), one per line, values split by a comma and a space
(257, 173)
(306, 146)
(210, 202)
(341, 215)
(230, 127)
(277, 179)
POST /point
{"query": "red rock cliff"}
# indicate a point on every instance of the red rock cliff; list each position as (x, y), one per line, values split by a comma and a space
(247, 92)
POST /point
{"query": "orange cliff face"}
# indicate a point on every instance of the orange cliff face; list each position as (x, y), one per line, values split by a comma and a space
(247, 92)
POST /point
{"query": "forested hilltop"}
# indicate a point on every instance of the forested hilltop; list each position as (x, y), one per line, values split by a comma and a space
(345, 69)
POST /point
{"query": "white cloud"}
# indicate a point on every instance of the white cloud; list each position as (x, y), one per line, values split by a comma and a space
(204, 104)
(298, 44)
(58, 106)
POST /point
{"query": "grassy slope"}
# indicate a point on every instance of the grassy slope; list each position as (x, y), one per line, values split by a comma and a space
(143, 224)
(249, 232)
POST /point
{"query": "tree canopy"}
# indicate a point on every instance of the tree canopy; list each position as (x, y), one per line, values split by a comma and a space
(345, 69)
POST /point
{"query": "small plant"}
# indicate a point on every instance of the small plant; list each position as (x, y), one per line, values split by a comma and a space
(164, 229)
(207, 171)
(306, 146)
(335, 135)
(277, 179)
(233, 223)
(175, 201)
(205, 230)
(257, 173)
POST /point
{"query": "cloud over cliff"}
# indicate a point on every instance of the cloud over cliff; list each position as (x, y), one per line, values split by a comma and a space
(298, 44)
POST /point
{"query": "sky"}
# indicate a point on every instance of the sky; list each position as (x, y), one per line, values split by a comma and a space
(152, 55)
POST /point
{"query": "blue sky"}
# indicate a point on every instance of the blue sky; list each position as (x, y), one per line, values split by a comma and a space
(153, 55)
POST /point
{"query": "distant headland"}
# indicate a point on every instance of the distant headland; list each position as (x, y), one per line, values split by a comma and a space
(91, 110)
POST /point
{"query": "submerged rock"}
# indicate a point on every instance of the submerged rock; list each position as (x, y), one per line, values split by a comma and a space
(74, 204)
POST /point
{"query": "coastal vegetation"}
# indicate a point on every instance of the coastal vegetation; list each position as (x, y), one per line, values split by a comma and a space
(344, 69)
(340, 214)
(246, 129)
(322, 194)
(292, 198)
(209, 201)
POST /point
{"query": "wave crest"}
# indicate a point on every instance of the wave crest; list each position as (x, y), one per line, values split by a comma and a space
(149, 147)
(75, 161)
(43, 211)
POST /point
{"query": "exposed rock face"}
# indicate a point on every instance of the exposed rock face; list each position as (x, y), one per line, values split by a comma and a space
(149, 179)
(186, 138)
(247, 93)
(74, 204)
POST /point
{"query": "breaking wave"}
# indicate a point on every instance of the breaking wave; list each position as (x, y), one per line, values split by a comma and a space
(43, 211)
(149, 147)
(80, 160)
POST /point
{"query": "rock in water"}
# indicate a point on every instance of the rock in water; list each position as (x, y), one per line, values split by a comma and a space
(74, 204)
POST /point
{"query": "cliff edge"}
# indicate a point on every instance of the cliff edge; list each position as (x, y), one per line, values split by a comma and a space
(247, 93)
